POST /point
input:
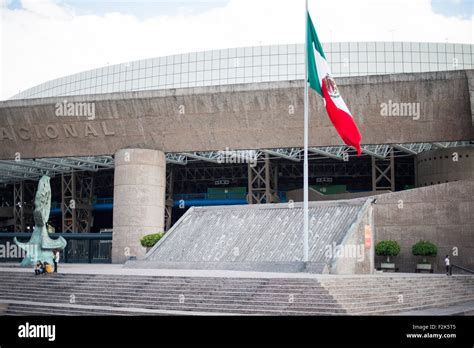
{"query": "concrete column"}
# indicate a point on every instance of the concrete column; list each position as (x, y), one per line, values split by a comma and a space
(139, 200)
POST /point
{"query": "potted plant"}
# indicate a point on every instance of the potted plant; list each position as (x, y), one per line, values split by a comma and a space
(387, 248)
(425, 249)
(150, 240)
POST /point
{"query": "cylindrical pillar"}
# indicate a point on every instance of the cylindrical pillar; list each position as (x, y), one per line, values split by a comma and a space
(139, 200)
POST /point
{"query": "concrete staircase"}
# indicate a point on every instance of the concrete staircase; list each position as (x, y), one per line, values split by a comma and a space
(87, 294)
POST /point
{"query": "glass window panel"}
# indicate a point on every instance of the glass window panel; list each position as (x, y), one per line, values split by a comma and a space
(457, 48)
(291, 69)
(407, 67)
(240, 52)
(406, 46)
(257, 51)
(441, 57)
(424, 66)
(200, 65)
(208, 55)
(266, 50)
(370, 56)
(291, 49)
(273, 50)
(354, 67)
(362, 46)
(224, 74)
(274, 60)
(257, 60)
(407, 56)
(300, 69)
(239, 72)
(353, 46)
(208, 65)
(215, 64)
(248, 61)
(353, 57)
(466, 49)
(265, 70)
(363, 68)
(398, 67)
(200, 76)
(282, 59)
(248, 71)
(467, 59)
(300, 59)
(292, 59)
(199, 56)
(216, 54)
(231, 73)
(134, 84)
(248, 51)
(207, 75)
(300, 48)
(282, 70)
(283, 49)
(433, 57)
(224, 63)
(379, 46)
(344, 46)
(415, 56)
(370, 46)
(398, 57)
(273, 70)
(141, 73)
(215, 74)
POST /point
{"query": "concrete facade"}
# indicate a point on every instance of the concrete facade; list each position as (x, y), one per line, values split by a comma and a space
(247, 116)
(139, 200)
(445, 165)
(442, 214)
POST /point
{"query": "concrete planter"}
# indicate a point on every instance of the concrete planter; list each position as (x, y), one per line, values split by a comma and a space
(424, 267)
(385, 266)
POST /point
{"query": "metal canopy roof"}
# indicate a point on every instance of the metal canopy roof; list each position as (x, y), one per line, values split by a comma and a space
(32, 169)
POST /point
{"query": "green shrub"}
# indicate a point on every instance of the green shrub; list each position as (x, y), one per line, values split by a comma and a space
(387, 248)
(150, 240)
(424, 248)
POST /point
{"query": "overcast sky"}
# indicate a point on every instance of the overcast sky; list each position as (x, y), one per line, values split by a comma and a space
(46, 39)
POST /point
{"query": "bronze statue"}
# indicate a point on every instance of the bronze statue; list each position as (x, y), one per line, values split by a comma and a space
(40, 246)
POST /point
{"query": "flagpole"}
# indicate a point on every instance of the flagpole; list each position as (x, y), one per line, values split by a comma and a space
(305, 163)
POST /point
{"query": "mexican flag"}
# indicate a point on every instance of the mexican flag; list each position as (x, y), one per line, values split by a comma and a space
(320, 79)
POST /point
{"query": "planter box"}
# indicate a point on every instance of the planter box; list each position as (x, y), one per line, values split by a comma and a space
(388, 267)
(426, 267)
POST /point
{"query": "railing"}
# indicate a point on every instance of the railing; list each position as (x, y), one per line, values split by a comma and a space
(462, 269)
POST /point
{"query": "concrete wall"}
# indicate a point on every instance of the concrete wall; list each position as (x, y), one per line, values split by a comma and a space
(358, 246)
(250, 116)
(444, 165)
(139, 198)
(442, 214)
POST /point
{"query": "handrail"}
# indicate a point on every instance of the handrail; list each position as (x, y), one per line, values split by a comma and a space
(462, 268)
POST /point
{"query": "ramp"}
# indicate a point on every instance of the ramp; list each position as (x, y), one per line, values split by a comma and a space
(265, 237)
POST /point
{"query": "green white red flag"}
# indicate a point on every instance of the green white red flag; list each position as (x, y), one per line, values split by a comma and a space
(321, 80)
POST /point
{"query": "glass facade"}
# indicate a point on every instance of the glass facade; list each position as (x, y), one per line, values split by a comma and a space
(257, 64)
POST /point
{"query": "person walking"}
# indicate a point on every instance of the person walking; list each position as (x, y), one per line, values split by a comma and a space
(56, 260)
(448, 264)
